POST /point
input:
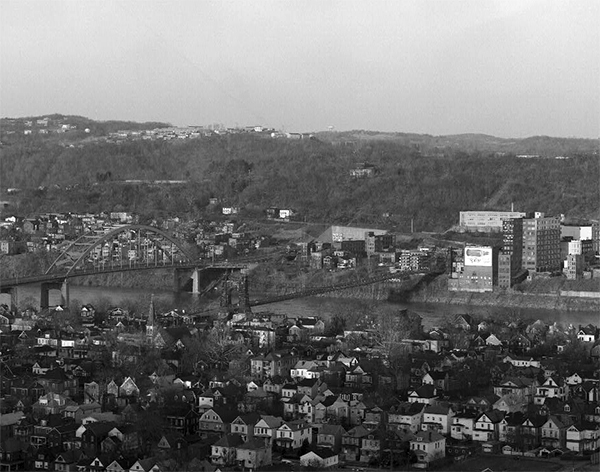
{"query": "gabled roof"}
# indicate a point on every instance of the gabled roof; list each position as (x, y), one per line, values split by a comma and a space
(322, 453)
(249, 418)
(437, 409)
(424, 391)
(226, 415)
(308, 382)
(229, 440)
(358, 432)
(294, 425)
(253, 444)
(407, 408)
(495, 416)
(271, 421)
(99, 428)
(332, 429)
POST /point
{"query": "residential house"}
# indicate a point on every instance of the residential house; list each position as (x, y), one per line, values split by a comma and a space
(330, 437)
(216, 421)
(463, 424)
(244, 425)
(552, 387)
(291, 435)
(310, 387)
(181, 418)
(582, 437)
(359, 377)
(439, 379)
(128, 437)
(352, 443)
(531, 432)
(521, 387)
(145, 465)
(253, 454)
(266, 428)
(587, 334)
(299, 407)
(320, 459)
(438, 418)
(406, 416)
(273, 364)
(13, 454)
(93, 436)
(67, 461)
(224, 451)
(78, 412)
(554, 433)
(486, 426)
(428, 446)
(334, 407)
(424, 394)
(510, 403)
(372, 446)
(509, 428)
(172, 442)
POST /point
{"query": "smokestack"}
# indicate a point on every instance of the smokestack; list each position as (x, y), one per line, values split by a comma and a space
(512, 206)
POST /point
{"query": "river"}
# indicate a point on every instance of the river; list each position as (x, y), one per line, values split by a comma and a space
(325, 307)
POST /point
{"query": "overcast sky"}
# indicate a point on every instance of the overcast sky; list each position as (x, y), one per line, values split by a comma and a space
(507, 68)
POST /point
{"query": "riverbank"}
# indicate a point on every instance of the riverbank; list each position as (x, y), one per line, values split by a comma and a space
(436, 292)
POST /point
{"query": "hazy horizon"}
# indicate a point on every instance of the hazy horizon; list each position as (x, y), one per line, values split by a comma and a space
(509, 69)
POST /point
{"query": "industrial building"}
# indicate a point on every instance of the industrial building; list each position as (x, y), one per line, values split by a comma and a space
(334, 235)
(486, 221)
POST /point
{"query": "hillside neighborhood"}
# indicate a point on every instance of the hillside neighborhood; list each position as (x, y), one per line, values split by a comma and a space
(163, 391)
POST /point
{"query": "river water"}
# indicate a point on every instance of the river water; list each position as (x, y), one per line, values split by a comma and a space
(431, 313)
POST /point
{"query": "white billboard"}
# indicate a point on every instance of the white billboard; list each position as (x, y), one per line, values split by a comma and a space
(478, 256)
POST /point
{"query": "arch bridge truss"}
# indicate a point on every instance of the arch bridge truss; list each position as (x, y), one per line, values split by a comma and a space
(120, 246)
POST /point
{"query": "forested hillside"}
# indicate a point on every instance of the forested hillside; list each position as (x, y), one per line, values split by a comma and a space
(311, 176)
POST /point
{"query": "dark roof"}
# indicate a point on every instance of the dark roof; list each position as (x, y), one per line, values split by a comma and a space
(229, 440)
(99, 428)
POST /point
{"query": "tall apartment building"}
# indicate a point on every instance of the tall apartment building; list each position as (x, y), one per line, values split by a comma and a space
(510, 258)
(541, 244)
(573, 266)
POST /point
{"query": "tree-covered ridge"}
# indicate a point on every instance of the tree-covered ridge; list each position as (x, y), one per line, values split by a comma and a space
(311, 176)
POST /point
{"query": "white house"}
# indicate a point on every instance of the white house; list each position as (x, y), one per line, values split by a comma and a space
(428, 446)
(323, 458)
(583, 437)
(291, 435)
(587, 334)
(437, 418)
(553, 387)
(462, 426)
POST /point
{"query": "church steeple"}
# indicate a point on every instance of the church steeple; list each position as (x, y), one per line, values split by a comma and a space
(150, 322)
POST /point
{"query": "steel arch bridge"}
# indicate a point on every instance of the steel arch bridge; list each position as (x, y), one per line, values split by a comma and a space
(120, 245)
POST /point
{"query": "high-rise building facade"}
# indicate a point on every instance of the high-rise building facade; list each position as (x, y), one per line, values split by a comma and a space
(541, 244)
(479, 271)
(510, 258)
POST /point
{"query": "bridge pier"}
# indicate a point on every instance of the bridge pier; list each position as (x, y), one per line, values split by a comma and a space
(14, 296)
(64, 292)
(196, 281)
(45, 288)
